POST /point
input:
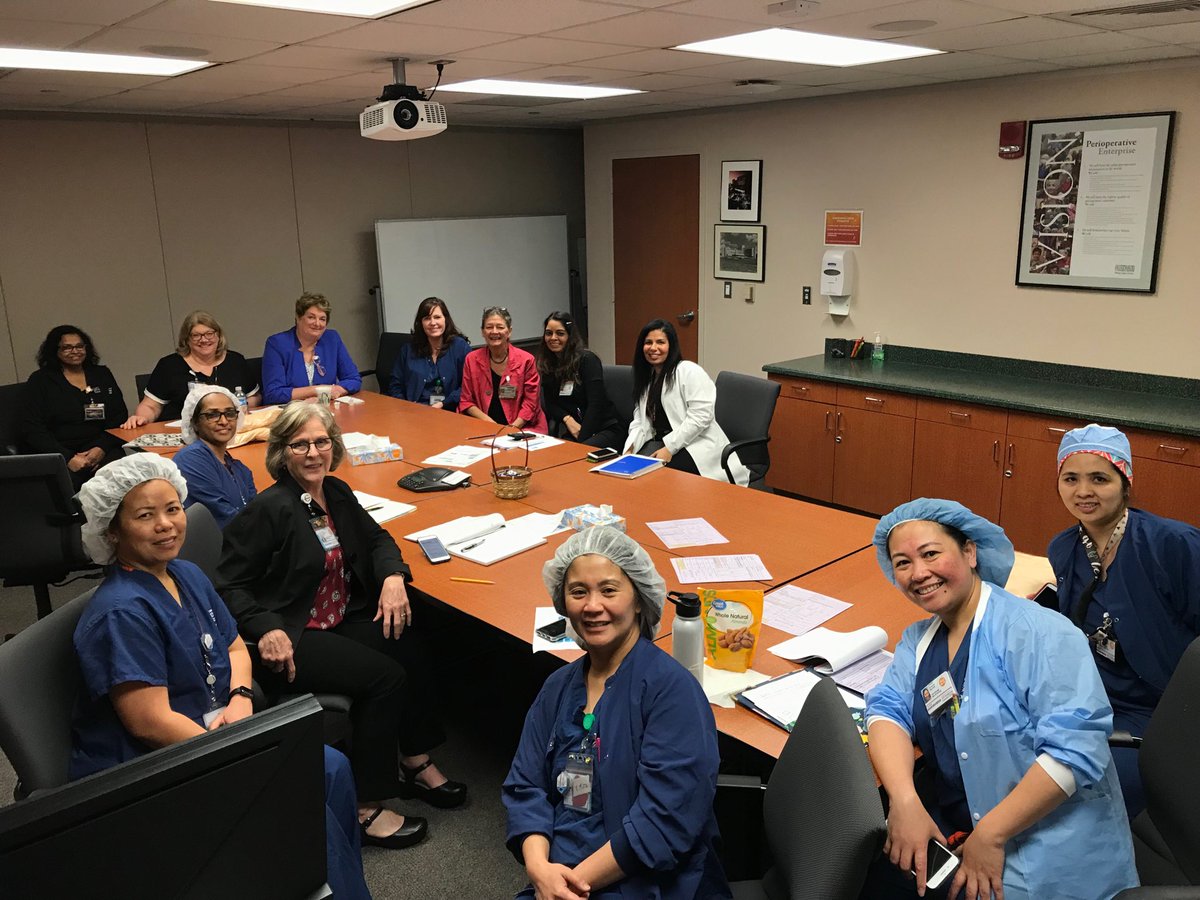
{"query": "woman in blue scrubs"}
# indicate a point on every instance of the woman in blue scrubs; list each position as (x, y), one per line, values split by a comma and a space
(1011, 718)
(610, 793)
(1129, 579)
(215, 479)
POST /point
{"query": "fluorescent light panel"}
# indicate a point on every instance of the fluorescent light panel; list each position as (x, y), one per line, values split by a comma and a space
(787, 45)
(535, 89)
(367, 9)
(74, 61)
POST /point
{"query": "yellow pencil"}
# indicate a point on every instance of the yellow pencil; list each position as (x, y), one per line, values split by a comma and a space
(471, 580)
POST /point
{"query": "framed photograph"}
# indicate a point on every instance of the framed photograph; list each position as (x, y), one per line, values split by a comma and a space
(1092, 210)
(741, 190)
(739, 252)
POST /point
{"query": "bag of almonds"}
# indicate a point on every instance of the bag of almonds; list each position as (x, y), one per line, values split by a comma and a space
(732, 620)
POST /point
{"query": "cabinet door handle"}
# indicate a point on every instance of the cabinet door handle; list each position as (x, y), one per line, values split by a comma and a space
(799, 389)
(1056, 430)
(826, 420)
(995, 451)
(873, 400)
(838, 424)
(960, 415)
(1171, 449)
(1008, 461)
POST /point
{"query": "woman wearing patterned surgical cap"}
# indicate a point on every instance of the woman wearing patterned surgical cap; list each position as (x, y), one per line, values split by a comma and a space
(1129, 579)
(1010, 716)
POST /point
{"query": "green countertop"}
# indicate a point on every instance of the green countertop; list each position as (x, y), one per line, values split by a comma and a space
(1156, 403)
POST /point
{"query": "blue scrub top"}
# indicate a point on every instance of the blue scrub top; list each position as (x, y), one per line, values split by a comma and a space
(133, 631)
(935, 737)
(225, 488)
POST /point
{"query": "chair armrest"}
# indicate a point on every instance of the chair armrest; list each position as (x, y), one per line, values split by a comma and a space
(735, 447)
(363, 373)
(752, 782)
(1125, 739)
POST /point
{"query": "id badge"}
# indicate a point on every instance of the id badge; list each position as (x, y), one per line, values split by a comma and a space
(211, 716)
(93, 412)
(567, 389)
(437, 398)
(329, 540)
(575, 782)
(508, 391)
(940, 696)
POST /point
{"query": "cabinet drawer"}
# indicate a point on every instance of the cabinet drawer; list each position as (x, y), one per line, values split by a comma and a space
(805, 389)
(964, 415)
(876, 401)
(1040, 428)
(1172, 448)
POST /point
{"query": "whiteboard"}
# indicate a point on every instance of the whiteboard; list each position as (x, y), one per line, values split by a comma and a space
(519, 262)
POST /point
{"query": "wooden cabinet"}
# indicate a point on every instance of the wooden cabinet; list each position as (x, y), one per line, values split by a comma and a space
(1166, 489)
(872, 466)
(802, 448)
(960, 464)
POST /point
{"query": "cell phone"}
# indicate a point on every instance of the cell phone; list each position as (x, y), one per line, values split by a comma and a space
(555, 631)
(600, 455)
(940, 864)
(522, 435)
(435, 551)
(1047, 597)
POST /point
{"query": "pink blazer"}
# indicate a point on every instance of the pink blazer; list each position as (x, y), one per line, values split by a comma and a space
(521, 371)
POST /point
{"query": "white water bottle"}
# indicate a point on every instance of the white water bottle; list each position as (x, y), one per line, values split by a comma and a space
(687, 634)
(240, 396)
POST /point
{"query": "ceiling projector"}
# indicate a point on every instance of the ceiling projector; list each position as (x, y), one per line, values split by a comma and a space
(403, 114)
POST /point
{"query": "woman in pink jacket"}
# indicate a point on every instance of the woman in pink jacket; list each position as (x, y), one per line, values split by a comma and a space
(500, 382)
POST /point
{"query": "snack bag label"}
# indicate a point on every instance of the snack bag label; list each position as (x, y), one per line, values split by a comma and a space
(732, 621)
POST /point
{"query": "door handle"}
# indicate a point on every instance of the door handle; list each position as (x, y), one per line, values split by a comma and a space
(995, 451)
(687, 318)
(826, 420)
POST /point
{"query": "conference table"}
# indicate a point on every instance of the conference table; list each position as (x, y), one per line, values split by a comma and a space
(825, 550)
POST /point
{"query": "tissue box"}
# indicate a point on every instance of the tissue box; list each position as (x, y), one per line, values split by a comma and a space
(365, 449)
(581, 517)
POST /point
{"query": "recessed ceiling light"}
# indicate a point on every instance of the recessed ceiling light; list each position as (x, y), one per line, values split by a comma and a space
(367, 9)
(74, 61)
(535, 89)
(788, 45)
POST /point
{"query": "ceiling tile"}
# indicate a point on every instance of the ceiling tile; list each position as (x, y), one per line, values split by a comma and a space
(1004, 69)
(947, 65)
(42, 35)
(83, 80)
(1101, 42)
(947, 14)
(1148, 54)
(1171, 14)
(754, 14)
(513, 16)
(543, 50)
(308, 56)
(135, 40)
(95, 12)
(999, 34)
(234, 19)
(1184, 33)
(25, 95)
(1048, 7)
(277, 76)
(397, 39)
(656, 60)
(136, 101)
(650, 29)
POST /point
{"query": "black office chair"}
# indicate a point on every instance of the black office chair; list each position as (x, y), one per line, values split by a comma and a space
(39, 681)
(254, 373)
(821, 810)
(390, 343)
(140, 382)
(11, 399)
(618, 384)
(745, 407)
(1166, 835)
(41, 544)
(202, 544)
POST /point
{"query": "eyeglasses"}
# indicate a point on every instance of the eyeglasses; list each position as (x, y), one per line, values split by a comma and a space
(300, 448)
(203, 336)
(71, 348)
(215, 415)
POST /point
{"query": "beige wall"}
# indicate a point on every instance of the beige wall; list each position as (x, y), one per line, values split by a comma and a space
(124, 226)
(941, 219)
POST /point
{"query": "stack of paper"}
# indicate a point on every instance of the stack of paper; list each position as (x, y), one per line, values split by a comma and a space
(781, 699)
(382, 509)
(489, 539)
(708, 569)
(797, 610)
(856, 659)
(457, 457)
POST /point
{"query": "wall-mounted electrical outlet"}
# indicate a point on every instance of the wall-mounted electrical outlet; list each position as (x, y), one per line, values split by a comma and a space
(807, 295)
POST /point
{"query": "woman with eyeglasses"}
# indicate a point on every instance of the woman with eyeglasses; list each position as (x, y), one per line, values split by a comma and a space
(309, 355)
(70, 402)
(573, 393)
(214, 478)
(500, 381)
(429, 368)
(200, 357)
(322, 589)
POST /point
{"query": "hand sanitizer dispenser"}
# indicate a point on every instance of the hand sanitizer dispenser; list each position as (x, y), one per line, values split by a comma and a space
(838, 270)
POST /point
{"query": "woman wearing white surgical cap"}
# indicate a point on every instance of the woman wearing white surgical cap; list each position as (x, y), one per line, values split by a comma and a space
(211, 418)
(159, 652)
(634, 819)
(1010, 714)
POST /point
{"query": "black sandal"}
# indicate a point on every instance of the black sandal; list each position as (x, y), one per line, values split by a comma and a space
(444, 796)
(411, 832)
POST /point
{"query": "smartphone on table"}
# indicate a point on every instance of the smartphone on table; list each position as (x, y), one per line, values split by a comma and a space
(602, 454)
(554, 632)
(435, 551)
(940, 864)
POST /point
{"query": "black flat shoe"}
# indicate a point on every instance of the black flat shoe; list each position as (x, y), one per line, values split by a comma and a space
(413, 831)
(444, 796)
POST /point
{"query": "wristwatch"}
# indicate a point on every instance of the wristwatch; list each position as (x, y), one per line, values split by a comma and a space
(242, 692)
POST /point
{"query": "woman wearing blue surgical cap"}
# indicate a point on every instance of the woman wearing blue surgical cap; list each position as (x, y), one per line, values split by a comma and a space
(1011, 718)
(633, 819)
(1129, 579)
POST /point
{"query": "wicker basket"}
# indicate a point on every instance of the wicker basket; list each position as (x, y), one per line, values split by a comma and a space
(511, 482)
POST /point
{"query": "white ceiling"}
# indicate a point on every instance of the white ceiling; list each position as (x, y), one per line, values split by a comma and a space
(294, 65)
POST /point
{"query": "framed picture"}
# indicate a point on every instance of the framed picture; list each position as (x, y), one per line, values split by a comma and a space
(739, 252)
(1092, 210)
(741, 190)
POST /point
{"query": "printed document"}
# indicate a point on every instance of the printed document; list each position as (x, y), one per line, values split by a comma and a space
(735, 567)
(686, 533)
(797, 610)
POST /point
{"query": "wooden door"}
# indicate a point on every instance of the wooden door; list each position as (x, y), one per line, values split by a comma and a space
(802, 448)
(960, 464)
(872, 467)
(1031, 512)
(656, 248)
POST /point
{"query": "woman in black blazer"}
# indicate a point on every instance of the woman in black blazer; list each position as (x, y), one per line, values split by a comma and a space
(321, 588)
(70, 402)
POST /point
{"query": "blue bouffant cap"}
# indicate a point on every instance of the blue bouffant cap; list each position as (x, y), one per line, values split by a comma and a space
(1101, 440)
(993, 550)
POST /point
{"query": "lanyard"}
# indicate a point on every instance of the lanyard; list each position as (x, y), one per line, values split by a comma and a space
(206, 646)
(1096, 561)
